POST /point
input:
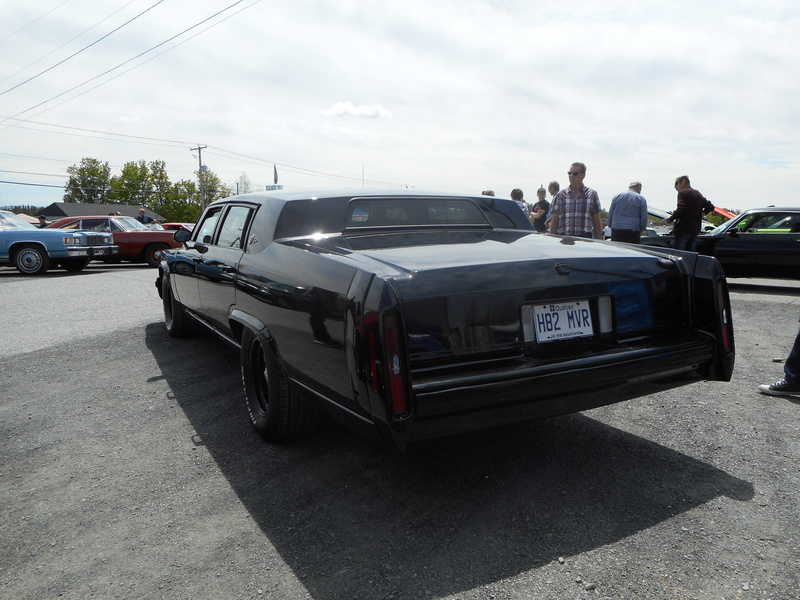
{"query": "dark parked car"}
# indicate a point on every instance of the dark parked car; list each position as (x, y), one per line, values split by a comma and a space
(410, 315)
(34, 251)
(760, 242)
(137, 242)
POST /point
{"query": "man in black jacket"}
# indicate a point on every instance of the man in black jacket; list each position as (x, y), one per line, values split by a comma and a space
(688, 216)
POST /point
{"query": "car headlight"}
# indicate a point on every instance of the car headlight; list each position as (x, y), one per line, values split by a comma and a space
(72, 241)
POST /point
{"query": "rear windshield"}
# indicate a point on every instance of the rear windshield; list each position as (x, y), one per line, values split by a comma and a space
(336, 215)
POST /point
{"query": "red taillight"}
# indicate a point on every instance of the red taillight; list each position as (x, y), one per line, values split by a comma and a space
(725, 317)
(394, 364)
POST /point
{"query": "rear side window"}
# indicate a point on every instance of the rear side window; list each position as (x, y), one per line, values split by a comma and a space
(231, 232)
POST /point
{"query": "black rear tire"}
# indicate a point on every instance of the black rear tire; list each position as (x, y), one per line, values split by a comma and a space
(177, 321)
(277, 412)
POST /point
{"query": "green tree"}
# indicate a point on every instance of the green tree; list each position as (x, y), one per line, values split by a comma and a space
(89, 182)
(145, 184)
(27, 209)
(132, 185)
(160, 186)
(181, 204)
(212, 187)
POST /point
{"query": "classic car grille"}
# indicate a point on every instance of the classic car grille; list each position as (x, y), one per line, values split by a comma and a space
(95, 240)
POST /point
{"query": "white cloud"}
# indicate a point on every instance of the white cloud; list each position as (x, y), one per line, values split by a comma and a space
(348, 109)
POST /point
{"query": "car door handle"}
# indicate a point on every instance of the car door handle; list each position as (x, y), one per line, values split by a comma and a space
(227, 269)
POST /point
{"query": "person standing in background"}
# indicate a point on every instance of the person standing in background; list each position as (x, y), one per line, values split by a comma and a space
(553, 188)
(688, 216)
(538, 215)
(627, 216)
(790, 384)
(576, 209)
(517, 196)
(143, 218)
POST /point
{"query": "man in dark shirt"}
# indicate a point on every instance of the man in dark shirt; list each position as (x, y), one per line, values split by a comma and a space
(143, 218)
(688, 216)
(538, 215)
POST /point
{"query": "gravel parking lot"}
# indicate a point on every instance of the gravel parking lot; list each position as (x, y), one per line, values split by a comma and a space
(129, 470)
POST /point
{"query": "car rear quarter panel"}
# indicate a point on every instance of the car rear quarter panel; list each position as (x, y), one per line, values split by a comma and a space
(301, 295)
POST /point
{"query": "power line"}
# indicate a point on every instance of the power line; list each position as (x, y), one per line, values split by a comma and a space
(30, 173)
(32, 184)
(301, 170)
(221, 152)
(21, 29)
(125, 62)
(67, 43)
(83, 49)
(83, 131)
(110, 79)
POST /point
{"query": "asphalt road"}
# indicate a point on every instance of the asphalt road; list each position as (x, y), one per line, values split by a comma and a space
(128, 469)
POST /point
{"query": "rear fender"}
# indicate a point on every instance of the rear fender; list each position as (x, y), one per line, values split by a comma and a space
(238, 320)
(385, 365)
(711, 309)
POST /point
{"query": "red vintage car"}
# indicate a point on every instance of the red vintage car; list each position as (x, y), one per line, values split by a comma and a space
(178, 226)
(136, 242)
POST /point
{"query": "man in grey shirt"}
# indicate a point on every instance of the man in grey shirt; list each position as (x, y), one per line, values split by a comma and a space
(627, 215)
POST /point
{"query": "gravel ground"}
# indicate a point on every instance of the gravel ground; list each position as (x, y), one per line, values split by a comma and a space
(129, 470)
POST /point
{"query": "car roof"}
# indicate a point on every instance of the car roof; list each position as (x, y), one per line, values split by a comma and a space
(75, 218)
(293, 195)
(772, 209)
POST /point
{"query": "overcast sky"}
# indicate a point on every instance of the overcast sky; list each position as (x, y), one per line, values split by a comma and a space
(444, 95)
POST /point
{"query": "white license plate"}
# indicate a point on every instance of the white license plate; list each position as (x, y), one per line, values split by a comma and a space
(561, 320)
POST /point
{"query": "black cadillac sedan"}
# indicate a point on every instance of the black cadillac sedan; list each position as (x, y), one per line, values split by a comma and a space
(409, 315)
(760, 242)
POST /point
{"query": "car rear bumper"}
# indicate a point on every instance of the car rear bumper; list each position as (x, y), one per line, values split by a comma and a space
(444, 405)
(542, 407)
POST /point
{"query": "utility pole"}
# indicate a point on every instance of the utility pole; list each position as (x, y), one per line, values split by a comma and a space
(199, 150)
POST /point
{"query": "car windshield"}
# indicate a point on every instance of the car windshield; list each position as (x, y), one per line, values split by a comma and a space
(131, 224)
(11, 221)
(719, 229)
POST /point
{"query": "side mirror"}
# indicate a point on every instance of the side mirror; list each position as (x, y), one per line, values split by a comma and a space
(182, 236)
(734, 233)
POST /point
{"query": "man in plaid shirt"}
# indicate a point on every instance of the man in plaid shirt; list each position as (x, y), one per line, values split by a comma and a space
(576, 209)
